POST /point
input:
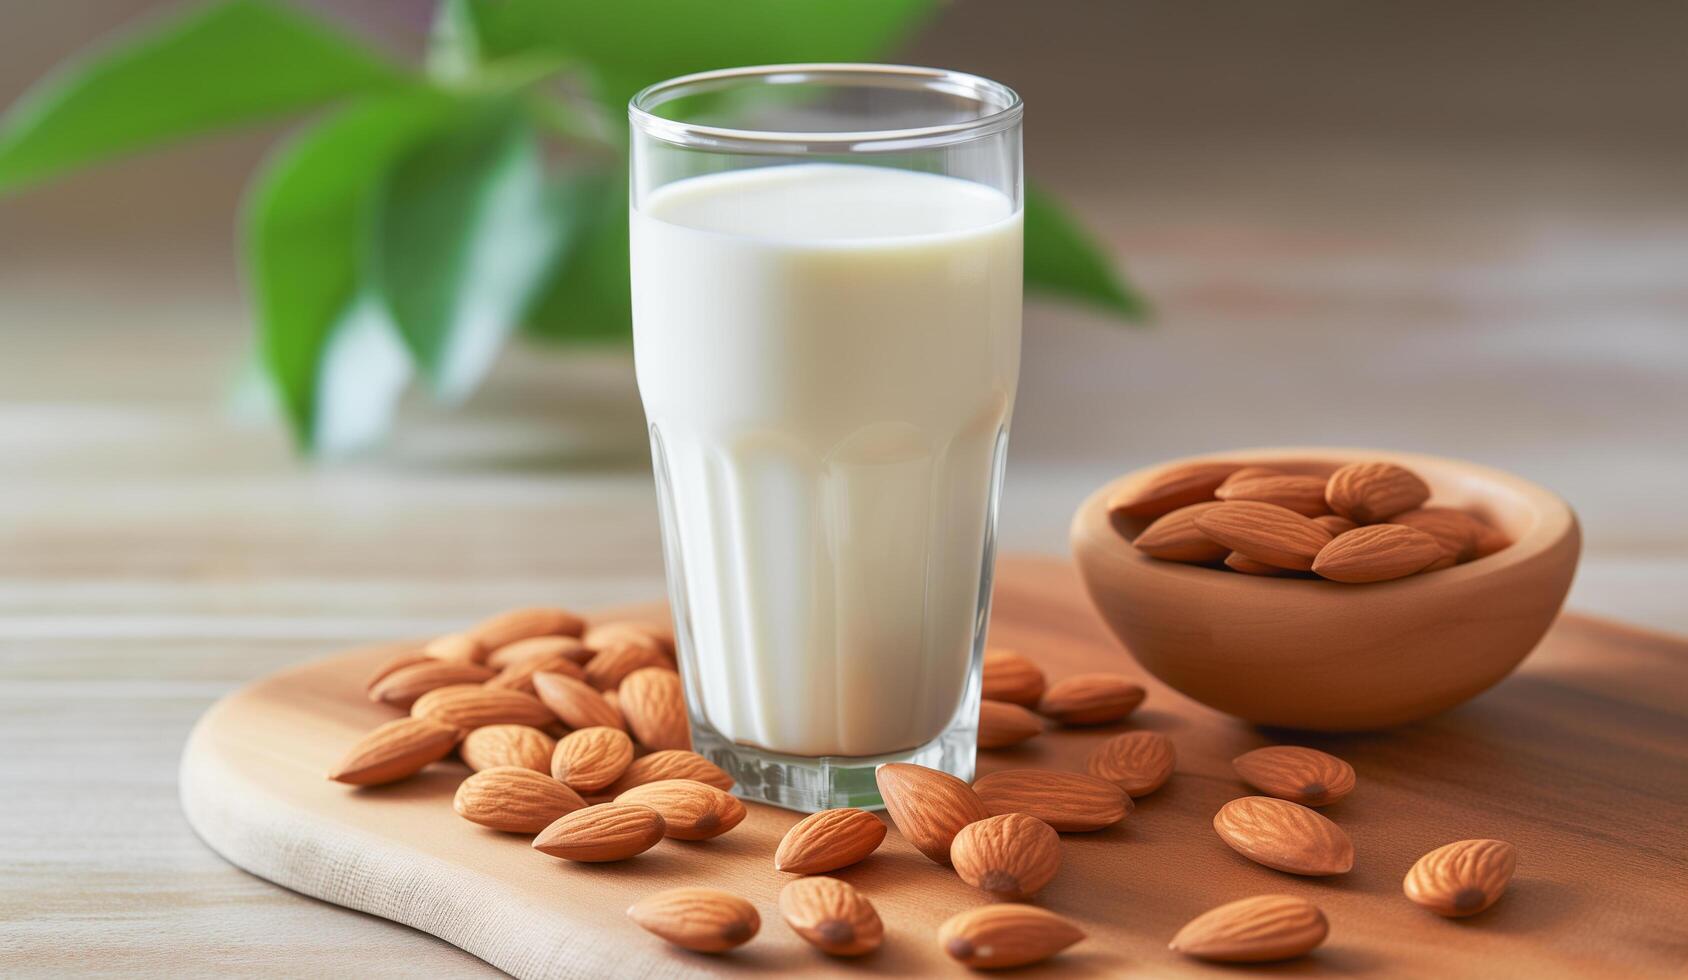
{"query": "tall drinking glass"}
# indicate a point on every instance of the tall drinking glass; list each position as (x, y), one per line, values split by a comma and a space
(826, 324)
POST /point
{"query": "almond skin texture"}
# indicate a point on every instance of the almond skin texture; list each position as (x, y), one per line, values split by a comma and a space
(1285, 836)
(654, 704)
(1012, 677)
(1295, 773)
(671, 764)
(703, 920)
(461, 647)
(690, 810)
(508, 745)
(606, 832)
(1376, 553)
(609, 667)
(1174, 537)
(1303, 494)
(832, 916)
(514, 799)
(1137, 762)
(403, 686)
(467, 706)
(519, 676)
(998, 937)
(395, 662)
(538, 647)
(928, 806)
(1172, 488)
(1265, 532)
(1011, 856)
(1071, 802)
(1366, 493)
(393, 751)
(1091, 699)
(1462, 878)
(576, 702)
(1335, 523)
(1236, 561)
(829, 840)
(519, 624)
(1002, 724)
(588, 759)
(1254, 930)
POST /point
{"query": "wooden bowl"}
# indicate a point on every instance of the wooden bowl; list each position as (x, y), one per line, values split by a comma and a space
(1307, 653)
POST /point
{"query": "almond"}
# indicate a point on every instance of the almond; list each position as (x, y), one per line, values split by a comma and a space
(467, 706)
(1335, 523)
(1366, 493)
(829, 840)
(1462, 878)
(929, 807)
(1303, 494)
(393, 751)
(1489, 541)
(671, 764)
(508, 745)
(1249, 473)
(1254, 930)
(1171, 488)
(690, 810)
(1455, 530)
(1012, 677)
(1067, 801)
(1265, 532)
(1002, 724)
(1012, 856)
(403, 686)
(624, 632)
(519, 624)
(588, 759)
(519, 676)
(1376, 553)
(995, 937)
(539, 647)
(1174, 537)
(1284, 835)
(1296, 773)
(1137, 762)
(703, 920)
(514, 799)
(652, 701)
(1236, 561)
(610, 666)
(392, 663)
(1091, 699)
(460, 647)
(832, 916)
(605, 832)
(575, 701)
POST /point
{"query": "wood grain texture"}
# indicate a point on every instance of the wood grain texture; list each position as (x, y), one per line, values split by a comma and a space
(1578, 759)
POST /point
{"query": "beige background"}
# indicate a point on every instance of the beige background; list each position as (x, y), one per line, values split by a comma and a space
(1451, 227)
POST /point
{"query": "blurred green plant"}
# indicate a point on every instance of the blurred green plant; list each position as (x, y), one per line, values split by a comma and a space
(426, 213)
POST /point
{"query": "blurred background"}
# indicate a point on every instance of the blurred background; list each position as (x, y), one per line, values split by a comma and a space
(1453, 227)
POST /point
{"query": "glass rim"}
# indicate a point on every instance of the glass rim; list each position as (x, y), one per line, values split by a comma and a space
(1001, 107)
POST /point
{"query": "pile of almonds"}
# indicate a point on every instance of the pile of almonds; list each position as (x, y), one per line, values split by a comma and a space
(578, 737)
(1365, 522)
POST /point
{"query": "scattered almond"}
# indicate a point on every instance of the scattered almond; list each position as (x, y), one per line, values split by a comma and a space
(520, 624)
(492, 746)
(1303, 494)
(1462, 878)
(1265, 532)
(519, 676)
(1296, 773)
(1012, 677)
(703, 920)
(1370, 492)
(461, 647)
(1285, 836)
(1254, 930)
(1012, 855)
(690, 810)
(605, 832)
(654, 704)
(399, 748)
(403, 686)
(467, 706)
(514, 799)
(832, 916)
(539, 647)
(671, 764)
(1376, 553)
(402, 659)
(1068, 801)
(1171, 488)
(829, 840)
(1091, 699)
(995, 937)
(1137, 762)
(576, 702)
(929, 807)
(588, 759)
(1002, 724)
(611, 665)
(1175, 537)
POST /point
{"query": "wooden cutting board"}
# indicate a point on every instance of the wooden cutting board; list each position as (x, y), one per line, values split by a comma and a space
(1580, 759)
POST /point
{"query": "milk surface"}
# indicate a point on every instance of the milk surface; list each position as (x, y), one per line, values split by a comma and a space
(828, 357)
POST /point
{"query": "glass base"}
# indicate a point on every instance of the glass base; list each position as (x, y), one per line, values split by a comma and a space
(828, 782)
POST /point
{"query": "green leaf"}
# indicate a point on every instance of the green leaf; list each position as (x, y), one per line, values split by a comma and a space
(305, 231)
(462, 237)
(232, 62)
(1063, 260)
(590, 295)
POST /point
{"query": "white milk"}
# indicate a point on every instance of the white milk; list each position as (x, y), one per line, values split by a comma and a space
(828, 356)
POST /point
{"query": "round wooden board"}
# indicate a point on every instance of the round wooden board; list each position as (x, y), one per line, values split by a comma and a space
(1581, 760)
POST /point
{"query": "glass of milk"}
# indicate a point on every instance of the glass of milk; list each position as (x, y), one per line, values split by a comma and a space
(826, 306)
